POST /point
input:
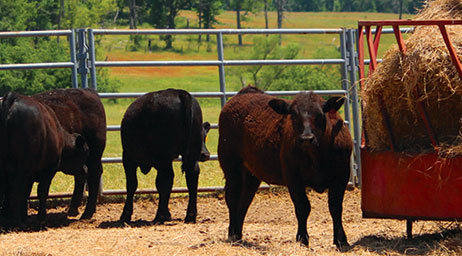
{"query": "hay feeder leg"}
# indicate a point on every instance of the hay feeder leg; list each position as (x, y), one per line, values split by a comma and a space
(409, 228)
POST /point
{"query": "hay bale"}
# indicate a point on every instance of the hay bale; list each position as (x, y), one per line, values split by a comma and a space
(424, 74)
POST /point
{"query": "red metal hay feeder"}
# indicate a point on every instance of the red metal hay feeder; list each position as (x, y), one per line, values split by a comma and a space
(398, 185)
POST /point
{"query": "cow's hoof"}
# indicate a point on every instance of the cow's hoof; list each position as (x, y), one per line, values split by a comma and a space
(303, 239)
(342, 246)
(72, 212)
(42, 226)
(86, 215)
(125, 218)
(160, 219)
(158, 222)
(190, 219)
(234, 238)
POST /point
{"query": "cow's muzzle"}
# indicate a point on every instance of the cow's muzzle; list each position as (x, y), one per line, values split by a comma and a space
(204, 156)
(308, 137)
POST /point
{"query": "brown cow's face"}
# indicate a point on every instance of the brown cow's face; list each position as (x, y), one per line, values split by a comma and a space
(308, 114)
(308, 119)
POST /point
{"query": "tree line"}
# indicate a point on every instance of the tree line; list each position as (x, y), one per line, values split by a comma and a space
(162, 13)
(65, 14)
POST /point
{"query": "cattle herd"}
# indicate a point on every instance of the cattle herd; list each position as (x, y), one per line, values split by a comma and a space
(296, 143)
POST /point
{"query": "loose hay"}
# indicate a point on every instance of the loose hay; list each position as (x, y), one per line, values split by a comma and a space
(424, 74)
(269, 229)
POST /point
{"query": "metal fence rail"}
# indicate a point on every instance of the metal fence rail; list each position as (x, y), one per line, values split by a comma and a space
(220, 63)
(84, 63)
(73, 65)
(115, 95)
(214, 31)
(346, 60)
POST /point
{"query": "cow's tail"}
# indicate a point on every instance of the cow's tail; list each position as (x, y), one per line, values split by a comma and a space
(187, 109)
(8, 100)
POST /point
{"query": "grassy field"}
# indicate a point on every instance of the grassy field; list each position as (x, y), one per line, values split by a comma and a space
(195, 79)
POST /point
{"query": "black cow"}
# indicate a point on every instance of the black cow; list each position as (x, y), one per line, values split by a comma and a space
(81, 111)
(33, 145)
(299, 143)
(156, 128)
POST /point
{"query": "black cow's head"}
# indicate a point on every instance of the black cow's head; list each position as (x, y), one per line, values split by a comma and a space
(308, 114)
(75, 155)
(205, 154)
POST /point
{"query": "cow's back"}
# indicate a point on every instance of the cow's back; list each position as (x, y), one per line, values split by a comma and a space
(249, 131)
(156, 126)
(32, 134)
(78, 110)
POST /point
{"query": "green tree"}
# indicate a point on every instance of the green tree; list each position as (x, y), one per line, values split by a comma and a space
(16, 15)
(89, 13)
(163, 14)
(247, 6)
(316, 77)
(287, 77)
(22, 15)
(207, 10)
(264, 48)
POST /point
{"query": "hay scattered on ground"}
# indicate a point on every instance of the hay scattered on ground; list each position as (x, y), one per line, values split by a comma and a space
(269, 229)
(426, 75)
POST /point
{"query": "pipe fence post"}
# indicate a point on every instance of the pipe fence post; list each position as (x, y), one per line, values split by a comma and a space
(221, 67)
(345, 85)
(71, 38)
(353, 69)
(346, 106)
(83, 57)
(91, 51)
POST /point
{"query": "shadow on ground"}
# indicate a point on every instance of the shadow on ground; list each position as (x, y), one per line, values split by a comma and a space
(53, 220)
(136, 223)
(418, 245)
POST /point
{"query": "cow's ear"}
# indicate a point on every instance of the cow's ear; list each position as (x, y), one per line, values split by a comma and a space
(280, 106)
(333, 104)
(79, 141)
(206, 126)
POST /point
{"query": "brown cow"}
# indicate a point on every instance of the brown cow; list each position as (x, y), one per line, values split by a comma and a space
(33, 145)
(299, 143)
(81, 111)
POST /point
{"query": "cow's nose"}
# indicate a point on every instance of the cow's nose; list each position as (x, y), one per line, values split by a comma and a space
(308, 138)
(204, 156)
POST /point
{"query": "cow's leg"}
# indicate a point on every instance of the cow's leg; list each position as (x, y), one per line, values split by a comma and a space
(14, 194)
(42, 191)
(192, 178)
(249, 188)
(132, 184)
(25, 198)
(302, 208)
(95, 169)
(336, 193)
(233, 187)
(79, 185)
(164, 183)
(2, 193)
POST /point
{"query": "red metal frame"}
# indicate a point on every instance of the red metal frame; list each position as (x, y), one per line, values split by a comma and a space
(399, 185)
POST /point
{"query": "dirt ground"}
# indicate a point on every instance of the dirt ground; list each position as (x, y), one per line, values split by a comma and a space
(269, 229)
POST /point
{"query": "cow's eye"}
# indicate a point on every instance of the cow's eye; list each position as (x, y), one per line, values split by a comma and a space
(320, 121)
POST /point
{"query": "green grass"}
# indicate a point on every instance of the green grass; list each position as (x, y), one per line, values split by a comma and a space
(196, 79)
